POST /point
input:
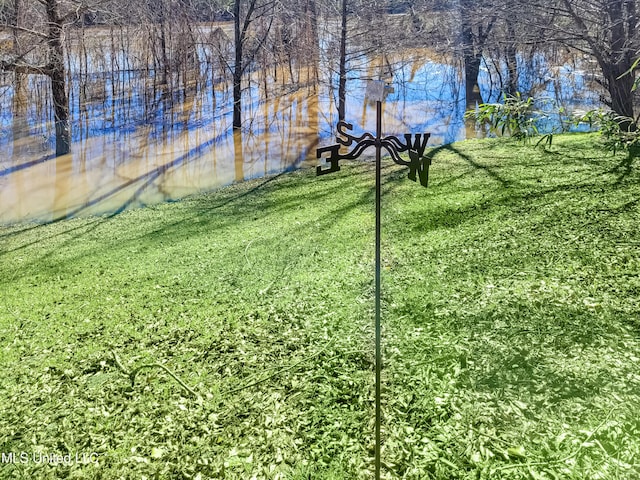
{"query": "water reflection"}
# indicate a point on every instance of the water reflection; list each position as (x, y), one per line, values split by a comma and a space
(154, 145)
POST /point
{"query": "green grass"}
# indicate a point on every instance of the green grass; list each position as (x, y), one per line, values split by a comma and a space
(511, 326)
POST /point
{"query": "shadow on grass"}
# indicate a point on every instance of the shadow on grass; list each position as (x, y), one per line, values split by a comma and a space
(329, 191)
(547, 356)
(625, 167)
(96, 221)
(245, 204)
(92, 224)
(491, 172)
(553, 355)
(532, 374)
(332, 187)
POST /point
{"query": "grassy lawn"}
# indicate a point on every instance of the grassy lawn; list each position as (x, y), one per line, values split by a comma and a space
(230, 335)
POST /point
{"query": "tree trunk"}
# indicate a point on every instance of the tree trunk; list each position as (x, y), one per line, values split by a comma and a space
(57, 75)
(20, 87)
(61, 113)
(471, 61)
(512, 60)
(616, 71)
(237, 69)
(619, 84)
(471, 72)
(163, 45)
(473, 44)
(314, 42)
(612, 40)
(471, 56)
(342, 85)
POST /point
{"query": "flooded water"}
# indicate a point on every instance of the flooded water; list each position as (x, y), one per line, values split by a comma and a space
(133, 146)
(133, 167)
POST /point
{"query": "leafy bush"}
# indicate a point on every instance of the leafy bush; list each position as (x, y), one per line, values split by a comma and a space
(515, 116)
(619, 132)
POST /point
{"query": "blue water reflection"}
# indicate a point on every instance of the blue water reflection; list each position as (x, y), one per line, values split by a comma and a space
(136, 142)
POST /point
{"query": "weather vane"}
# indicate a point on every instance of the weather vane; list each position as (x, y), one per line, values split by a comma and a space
(418, 164)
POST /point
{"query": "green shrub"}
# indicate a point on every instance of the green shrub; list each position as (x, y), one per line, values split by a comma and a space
(619, 132)
(515, 117)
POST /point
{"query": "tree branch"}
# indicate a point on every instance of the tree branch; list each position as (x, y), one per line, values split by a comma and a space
(25, 68)
(27, 30)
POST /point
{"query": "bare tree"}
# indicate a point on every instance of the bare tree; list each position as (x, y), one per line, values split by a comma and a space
(608, 31)
(361, 34)
(605, 30)
(476, 24)
(248, 40)
(39, 50)
(342, 84)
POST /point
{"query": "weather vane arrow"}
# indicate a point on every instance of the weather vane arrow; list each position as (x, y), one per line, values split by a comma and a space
(418, 164)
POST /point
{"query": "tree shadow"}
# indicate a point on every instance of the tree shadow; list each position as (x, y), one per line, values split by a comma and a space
(25, 165)
(247, 205)
(625, 167)
(92, 223)
(491, 172)
(327, 188)
(540, 354)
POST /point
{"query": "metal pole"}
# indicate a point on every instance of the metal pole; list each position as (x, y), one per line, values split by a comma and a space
(378, 231)
(418, 165)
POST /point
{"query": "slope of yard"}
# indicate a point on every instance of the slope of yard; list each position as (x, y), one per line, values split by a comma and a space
(230, 335)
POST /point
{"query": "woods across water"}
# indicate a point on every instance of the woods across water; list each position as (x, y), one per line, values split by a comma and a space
(144, 97)
(268, 34)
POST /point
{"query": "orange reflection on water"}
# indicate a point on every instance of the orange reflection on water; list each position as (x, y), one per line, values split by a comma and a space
(106, 174)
